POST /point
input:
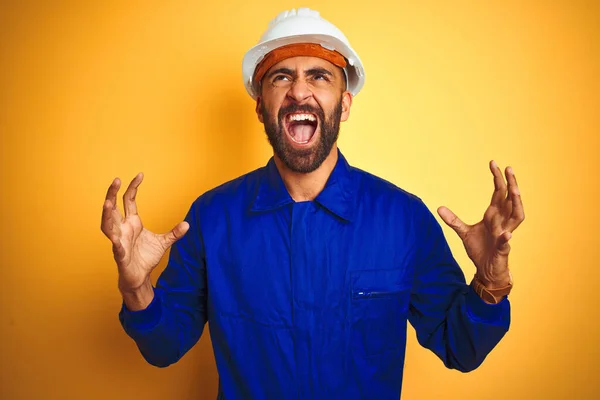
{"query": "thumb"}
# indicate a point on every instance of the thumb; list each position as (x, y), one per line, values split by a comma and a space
(175, 234)
(453, 221)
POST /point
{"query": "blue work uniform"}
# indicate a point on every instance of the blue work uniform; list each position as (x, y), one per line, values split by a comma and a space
(309, 300)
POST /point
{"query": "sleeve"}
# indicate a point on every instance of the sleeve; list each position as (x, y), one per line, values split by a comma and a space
(449, 317)
(174, 320)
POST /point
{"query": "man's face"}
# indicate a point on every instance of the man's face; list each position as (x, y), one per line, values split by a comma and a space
(302, 102)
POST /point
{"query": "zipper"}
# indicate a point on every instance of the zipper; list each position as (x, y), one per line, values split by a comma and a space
(372, 294)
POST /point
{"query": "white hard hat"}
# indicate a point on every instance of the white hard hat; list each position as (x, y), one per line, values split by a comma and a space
(303, 26)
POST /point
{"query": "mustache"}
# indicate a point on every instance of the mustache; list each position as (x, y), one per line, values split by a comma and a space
(301, 108)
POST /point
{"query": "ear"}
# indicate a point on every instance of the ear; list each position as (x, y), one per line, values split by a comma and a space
(346, 104)
(259, 113)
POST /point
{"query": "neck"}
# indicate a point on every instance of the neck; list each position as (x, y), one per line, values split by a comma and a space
(307, 186)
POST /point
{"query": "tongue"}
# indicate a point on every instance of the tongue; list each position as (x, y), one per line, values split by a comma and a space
(302, 132)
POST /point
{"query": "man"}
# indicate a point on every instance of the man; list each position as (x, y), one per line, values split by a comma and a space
(308, 268)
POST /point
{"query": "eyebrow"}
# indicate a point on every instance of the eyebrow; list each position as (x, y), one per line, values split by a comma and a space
(286, 71)
(311, 72)
(317, 71)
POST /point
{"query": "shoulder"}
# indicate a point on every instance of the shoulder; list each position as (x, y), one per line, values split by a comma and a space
(378, 196)
(236, 192)
(388, 203)
(373, 187)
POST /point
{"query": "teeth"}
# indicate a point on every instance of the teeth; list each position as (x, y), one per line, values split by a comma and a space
(297, 141)
(301, 117)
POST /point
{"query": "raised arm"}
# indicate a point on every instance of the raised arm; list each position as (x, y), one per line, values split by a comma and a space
(168, 320)
(450, 318)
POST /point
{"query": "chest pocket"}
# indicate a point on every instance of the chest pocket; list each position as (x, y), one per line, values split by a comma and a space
(378, 310)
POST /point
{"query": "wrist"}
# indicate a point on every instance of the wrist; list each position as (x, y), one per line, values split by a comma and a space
(138, 298)
(492, 295)
(497, 281)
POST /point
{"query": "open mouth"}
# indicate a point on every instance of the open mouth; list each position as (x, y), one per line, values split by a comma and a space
(301, 127)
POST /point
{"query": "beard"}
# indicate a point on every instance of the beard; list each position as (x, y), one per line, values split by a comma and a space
(305, 160)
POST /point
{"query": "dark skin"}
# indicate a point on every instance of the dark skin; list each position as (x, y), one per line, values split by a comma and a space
(304, 81)
(136, 250)
(487, 241)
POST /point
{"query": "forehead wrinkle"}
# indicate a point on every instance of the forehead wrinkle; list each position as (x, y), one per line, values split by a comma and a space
(300, 60)
(310, 71)
(288, 66)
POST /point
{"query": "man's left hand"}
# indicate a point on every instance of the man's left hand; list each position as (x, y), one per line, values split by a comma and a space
(486, 242)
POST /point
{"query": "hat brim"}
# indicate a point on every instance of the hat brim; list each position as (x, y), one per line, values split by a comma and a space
(354, 69)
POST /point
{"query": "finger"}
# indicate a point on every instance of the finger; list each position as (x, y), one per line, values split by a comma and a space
(499, 185)
(109, 209)
(106, 223)
(129, 195)
(111, 218)
(118, 251)
(518, 214)
(175, 234)
(453, 221)
(113, 189)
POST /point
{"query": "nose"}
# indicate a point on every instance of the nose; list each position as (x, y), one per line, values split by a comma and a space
(299, 91)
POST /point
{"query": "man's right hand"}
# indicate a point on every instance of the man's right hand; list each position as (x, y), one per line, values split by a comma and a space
(136, 250)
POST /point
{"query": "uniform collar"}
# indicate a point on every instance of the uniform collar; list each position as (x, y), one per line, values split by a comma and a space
(338, 196)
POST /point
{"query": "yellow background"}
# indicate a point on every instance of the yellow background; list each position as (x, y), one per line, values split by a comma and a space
(94, 90)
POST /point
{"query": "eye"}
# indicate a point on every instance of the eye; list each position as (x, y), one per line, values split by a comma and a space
(321, 77)
(281, 78)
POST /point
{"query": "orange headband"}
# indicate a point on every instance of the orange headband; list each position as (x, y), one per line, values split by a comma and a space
(294, 50)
